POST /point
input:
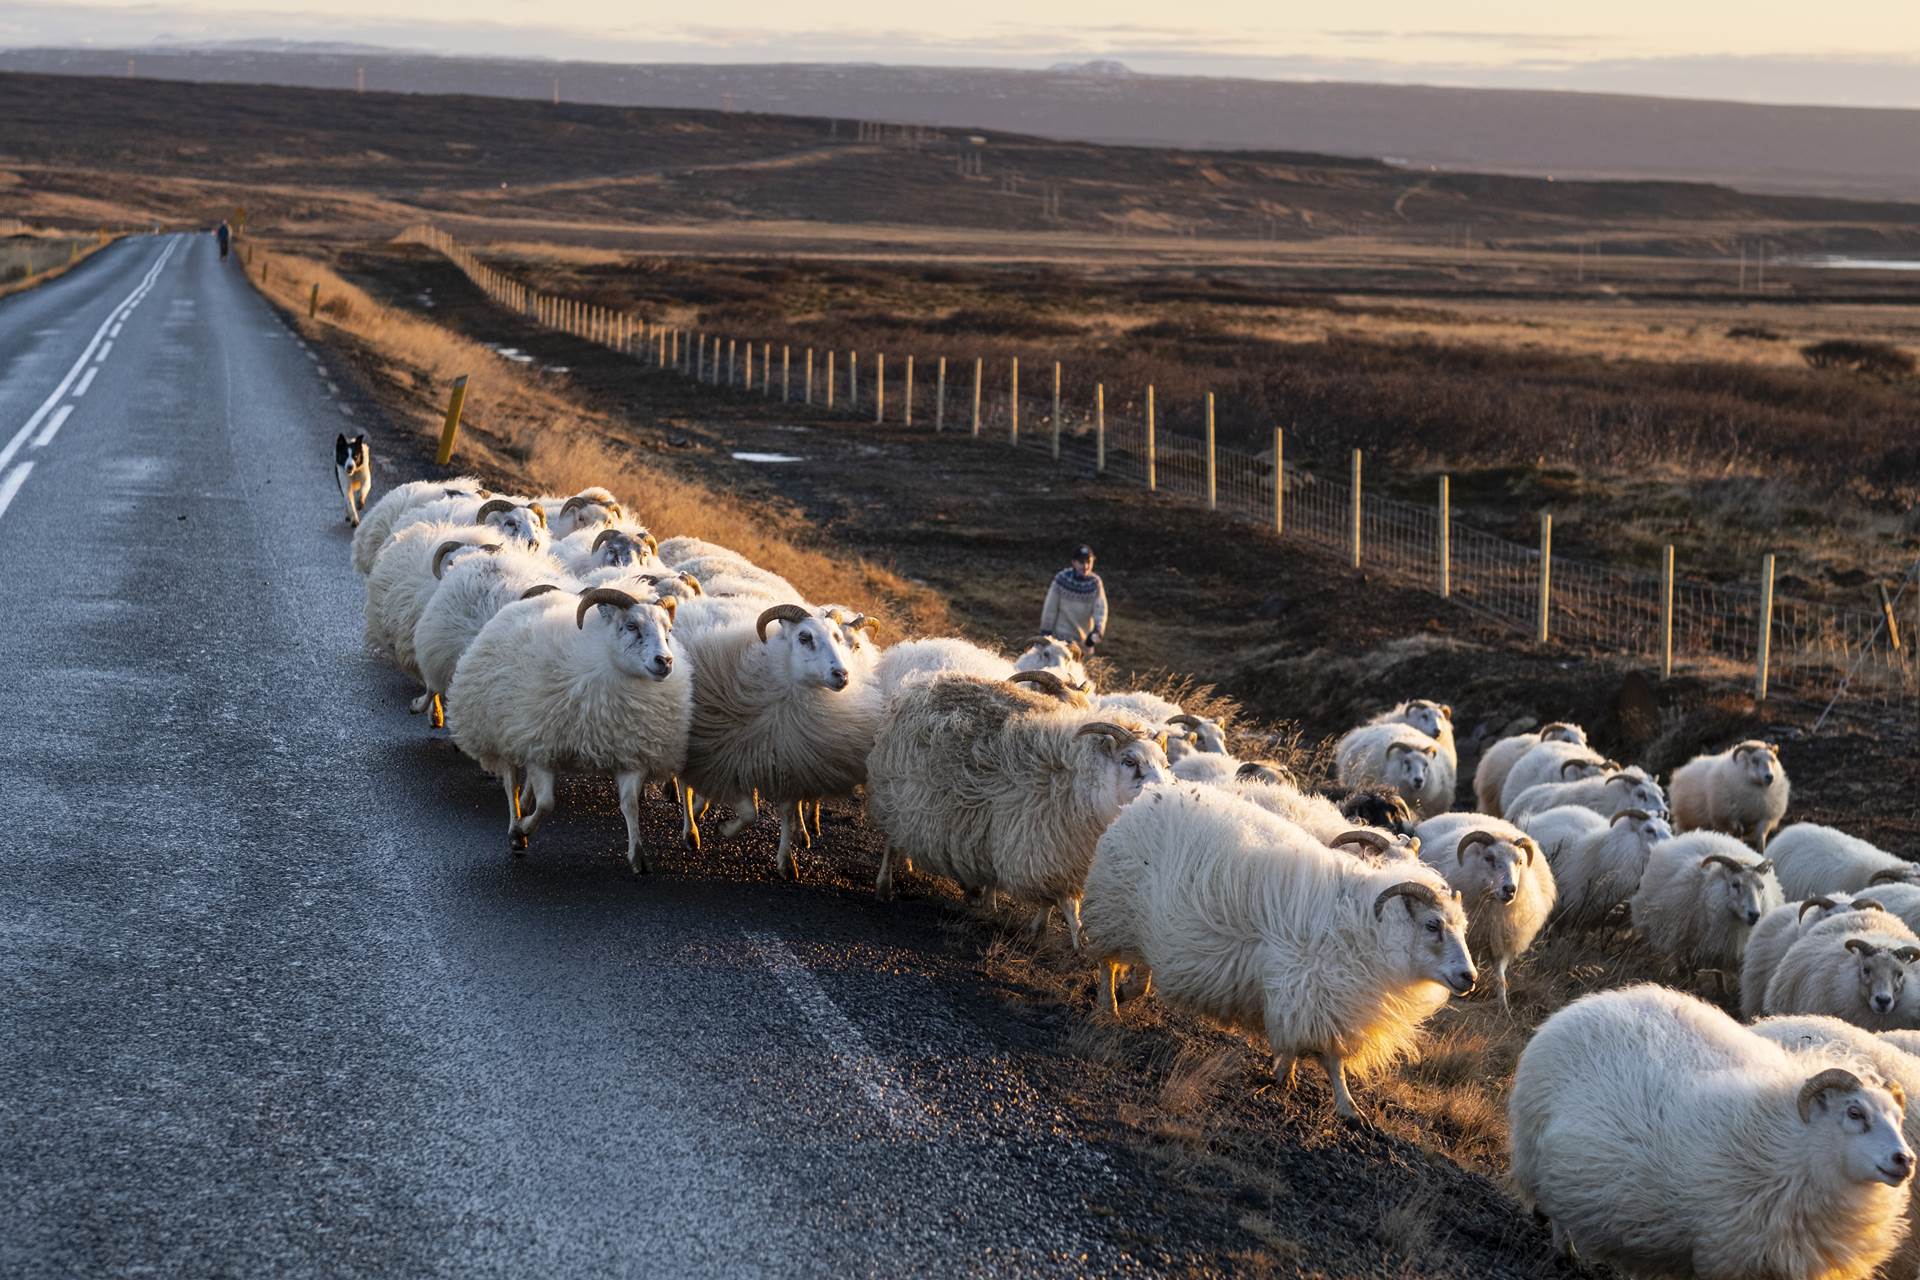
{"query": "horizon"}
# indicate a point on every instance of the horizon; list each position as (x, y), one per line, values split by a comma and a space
(1780, 60)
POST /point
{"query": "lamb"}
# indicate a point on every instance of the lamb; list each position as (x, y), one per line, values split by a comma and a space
(1596, 861)
(353, 472)
(1234, 914)
(537, 692)
(590, 508)
(1498, 760)
(1776, 933)
(1399, 756)
(1812, 859)
(1062, 657)
(376, 524)
(1855, 966)
(915, 660)
(1658, 1135)
(1001, 789)
(1606, 794)
(1699, 897)
(1550, 762)
(780, 715)
(1508, 888)
(1741, 791)
(472, 589)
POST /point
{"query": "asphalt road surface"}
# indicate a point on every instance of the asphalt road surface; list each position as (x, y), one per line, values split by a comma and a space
(273, 998)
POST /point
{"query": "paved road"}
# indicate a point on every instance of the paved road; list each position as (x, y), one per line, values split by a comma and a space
(273, 1000)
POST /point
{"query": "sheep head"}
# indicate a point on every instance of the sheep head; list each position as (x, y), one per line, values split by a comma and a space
(1882, 973)
(1207, 734)
(589, 507)
(1738, 887)
(1499, 863)
(1581, 767)
(1049, 685)
(1561, 731)
(1650, 828)
(1857, 1125)
(1407, 766)
(641, 635)
(453, 547)
(1635, 789)
(1266, 771)
(1380, 807)
(1130, 760)
(526, 525)
(1435, 934)
(816, 655)
(1760, 762)
(1426, 715)
(616, 547)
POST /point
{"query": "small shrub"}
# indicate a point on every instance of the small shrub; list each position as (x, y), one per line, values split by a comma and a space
(1874, 359)
(1753, 333)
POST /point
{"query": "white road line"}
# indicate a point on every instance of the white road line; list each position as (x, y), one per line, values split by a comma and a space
(332, 389)
(13, 446)
(885, 1090)
(347, 409)
(11, 485)
(106, 349)
(58, 420)
(86, 380)
(115, 331)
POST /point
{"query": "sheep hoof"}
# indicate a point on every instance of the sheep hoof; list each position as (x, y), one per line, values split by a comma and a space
(518, 843)
(640, 866)
(1355, 1119)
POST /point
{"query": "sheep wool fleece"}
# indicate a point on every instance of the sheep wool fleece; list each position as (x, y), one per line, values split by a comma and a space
(1076, 606)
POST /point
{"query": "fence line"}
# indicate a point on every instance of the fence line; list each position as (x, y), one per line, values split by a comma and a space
(1788, 647)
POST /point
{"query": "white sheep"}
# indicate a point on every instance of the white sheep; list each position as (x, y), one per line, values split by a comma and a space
(404, 580)
(1904, 1040)
(1398, 756)
(1606, 794)
(1741, 791)
(780, 715)
(606, 546)
(1550, 761)
(1207, 767)
(1237, 915)
(1001, 789)
(725, 572)
(1853, 965)
(1596, 861)
(1498, 760)
(376, 523)
(1062, 657)
(1811, 859)
(538, 691)
(515, 518)
(472, 589)
(915, 660)
(1699, 897)
(1658, 1135)
(1776, 933)
(1435, 719)
(591, 507)
(1270, 787)
(1896, 899)
(1507, 887)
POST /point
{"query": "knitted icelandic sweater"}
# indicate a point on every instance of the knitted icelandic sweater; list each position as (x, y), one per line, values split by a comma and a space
(1076, 606)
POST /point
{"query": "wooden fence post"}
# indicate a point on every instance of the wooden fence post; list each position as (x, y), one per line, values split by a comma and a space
(1056, 411)
(880, 388)
(1013, 403)
(907, 417)
(730, 346)
(766, 368)
(809, 376)
(979, 369)
(853, 382)
(1356, 508)
(1446, 537)
(940, 395)
(1213, 492)
(1666, 613)
(830, 356)
(1153, 477)
(786, 373)
(1541, 630)
(747, 382)
(450, 429)
(1099, 428)
(1279, 482)
(1886, 611)
(1765, 659)
(313, 301)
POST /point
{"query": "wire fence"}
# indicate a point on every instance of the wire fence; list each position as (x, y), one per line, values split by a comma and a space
(1852, 660)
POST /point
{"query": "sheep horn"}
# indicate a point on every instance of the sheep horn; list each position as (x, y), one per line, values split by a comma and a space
(1073, 647)
(445, 549)
(1471, 839)
(1831, 1078)
(1637, 815)
(1763, 866)
(693, 584)
(1107, 729)
(1565, 765)
(1446, 712)
(607, 535)
(1049, 683)
(491, 506)
(1890, 877)
(1907, 955)
(1412, 890)
(1372, 839)
(780, 613)
(576, 502)
(1526, 845)
(861, 622)
(1862, 947)
(539, 590)
(1192, 722)
(1825, 904)
(1866, 904)
(1732, 864)
(539, 516)
(1414, 747)
(1622, 776)
(602, 595)
(1557, 725)
(1261, 770)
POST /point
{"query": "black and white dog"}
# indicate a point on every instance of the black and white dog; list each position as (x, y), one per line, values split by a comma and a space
(353, 469)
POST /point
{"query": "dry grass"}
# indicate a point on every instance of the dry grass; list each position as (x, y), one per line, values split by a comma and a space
(29, 259)
(515, 426)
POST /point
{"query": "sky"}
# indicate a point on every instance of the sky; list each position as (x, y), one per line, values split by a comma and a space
(1845, 52)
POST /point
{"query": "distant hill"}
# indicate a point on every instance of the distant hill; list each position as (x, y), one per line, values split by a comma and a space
(1816, 150)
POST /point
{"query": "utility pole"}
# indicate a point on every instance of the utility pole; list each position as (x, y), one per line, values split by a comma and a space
(556, 91)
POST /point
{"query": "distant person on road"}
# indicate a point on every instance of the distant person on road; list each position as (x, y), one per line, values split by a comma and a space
(1076, 607)
(223, 233)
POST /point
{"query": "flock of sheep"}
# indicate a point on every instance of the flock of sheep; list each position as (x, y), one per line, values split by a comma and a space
(556, 633)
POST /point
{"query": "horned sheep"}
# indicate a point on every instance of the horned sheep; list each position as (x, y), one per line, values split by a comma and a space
(1597, 861)
(1375, 810)
(1812, 859)
(1699, 897)
(1853, 966)
(1435, 719)
(1658, 1135)
(1498, 760)
(538, 691)
(1508, 888)
(1776, 933)
(1002, 789)
(1741, 791)
(1062, 657)
(915, 660)
(1606, 794)
(376, 522)
(1400, 756)
(1550, 761)
(1237, 915)
(471, 591)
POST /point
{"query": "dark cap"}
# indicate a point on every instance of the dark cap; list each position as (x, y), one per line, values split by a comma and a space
(1083, 552)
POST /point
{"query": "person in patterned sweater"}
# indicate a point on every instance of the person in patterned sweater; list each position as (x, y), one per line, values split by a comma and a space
(1076, 607)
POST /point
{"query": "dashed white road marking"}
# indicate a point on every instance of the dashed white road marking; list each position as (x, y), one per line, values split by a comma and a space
(11, 485)
(346, 409)
(86, 380)
(115, 331)
(888, 1093)
(332, 389)
(59, 392)
(58, 420)
(106, 349)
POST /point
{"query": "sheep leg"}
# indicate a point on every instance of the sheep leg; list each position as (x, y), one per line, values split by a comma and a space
(1286, 1070)
(783, 860)
(632, 788)
(883, 883)
(816, 819)
(1139, 983)
(1500, 984)
(540, 780)
(1040, 920)
(1562, 1242)
(1113, 987)
(439, 712)
(1337, 1077)
(689, 826)
(420, 703)
(746, 812)
(1070, 908)
(806, 836)
(511, 782)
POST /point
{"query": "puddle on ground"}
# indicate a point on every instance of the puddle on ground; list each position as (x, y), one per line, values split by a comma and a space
(767, 457)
